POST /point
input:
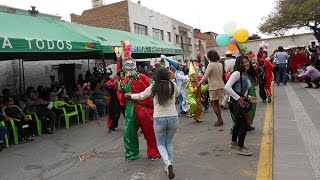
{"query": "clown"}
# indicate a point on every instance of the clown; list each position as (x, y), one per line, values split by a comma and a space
(137, 113)
(181, 81)
(194, 94)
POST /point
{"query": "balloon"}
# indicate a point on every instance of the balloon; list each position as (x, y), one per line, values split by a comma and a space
(229, 27)
(133, 48)
(241, 35)
(232, 47)
(233, 41)
(222, 39)
(116, 50)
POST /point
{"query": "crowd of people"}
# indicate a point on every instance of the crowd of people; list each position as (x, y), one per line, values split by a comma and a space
(146, 96)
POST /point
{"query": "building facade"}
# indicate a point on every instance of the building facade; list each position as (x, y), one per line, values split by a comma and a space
(135, 18)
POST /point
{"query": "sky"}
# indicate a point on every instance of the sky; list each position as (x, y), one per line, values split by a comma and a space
(206, 15)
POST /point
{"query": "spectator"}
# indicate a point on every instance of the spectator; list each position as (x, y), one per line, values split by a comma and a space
(23, 102)
(82, 99)
(42, 108)
(80, 79)
(11, 111)
(310, 74)
(281, 66)
(3, 132)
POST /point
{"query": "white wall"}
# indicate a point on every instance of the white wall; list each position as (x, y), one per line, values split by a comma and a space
(144, 16)
(147, 17)
(36, 72)
(297, 40)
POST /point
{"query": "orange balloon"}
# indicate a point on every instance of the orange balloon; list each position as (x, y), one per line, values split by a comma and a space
(232, 47)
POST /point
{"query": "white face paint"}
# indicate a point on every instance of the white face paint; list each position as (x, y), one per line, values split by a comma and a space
(131, 68)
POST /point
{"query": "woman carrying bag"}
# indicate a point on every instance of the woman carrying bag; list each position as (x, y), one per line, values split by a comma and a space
(240, 103)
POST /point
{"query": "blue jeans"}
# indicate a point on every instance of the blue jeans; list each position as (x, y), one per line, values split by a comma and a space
(281, 74)
(87, 109)
(3, 132)
(165, 128)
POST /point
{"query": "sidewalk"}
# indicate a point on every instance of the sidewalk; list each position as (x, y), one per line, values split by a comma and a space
(201, 152)
(296, 132)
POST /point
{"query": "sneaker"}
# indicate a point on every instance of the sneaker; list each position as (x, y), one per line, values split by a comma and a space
(317, 87)
(170, 171)
(264, 101)
(234, 145)
(113, 130)
(269, 99)
(244, 151)
(309, 87)
(154, 158)
(182, 113)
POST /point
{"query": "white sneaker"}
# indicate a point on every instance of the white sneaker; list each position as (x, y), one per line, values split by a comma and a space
(244, 151)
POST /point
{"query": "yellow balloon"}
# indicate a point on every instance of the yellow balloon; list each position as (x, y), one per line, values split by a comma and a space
(241, 35)
(116, 50)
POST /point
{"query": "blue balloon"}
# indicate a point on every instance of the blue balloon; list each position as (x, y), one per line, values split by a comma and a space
(133, 48)
(223, 39)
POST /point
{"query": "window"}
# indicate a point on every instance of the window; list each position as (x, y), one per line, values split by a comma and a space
(169, 36)
(157, 33)
(140, 29)
(177, 39)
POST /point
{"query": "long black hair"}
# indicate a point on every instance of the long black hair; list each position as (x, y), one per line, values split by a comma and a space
(163, 88)
(239, 67)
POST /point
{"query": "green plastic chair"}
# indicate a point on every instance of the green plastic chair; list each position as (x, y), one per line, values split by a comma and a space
(15, 129)
(81, 111)
(6, 136)
(72, 111)
(38, 121)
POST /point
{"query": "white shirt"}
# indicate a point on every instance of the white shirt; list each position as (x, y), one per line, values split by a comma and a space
(169, 109)
(235, 76)
(228, 64)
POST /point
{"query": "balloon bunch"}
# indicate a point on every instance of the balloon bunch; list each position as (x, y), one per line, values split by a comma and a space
(264, 45)
(232, 36)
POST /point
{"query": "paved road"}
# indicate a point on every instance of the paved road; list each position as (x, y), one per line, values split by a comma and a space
(296, 132)
(201, 151)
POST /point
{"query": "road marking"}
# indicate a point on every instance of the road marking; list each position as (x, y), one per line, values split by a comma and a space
(307, 130)
(264, 171)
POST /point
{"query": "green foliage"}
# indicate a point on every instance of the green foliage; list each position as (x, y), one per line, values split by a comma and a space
(290, 14)
(254, 36)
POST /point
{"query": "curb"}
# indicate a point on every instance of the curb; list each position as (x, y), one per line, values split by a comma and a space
(264, 171)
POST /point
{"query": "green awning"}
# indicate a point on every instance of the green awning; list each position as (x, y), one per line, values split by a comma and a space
(34, 38)
(146, 46)
(31, 36)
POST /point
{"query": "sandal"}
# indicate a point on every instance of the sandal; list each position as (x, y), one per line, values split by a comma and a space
(218, 123)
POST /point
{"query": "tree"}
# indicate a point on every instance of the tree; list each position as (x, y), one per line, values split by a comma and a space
(293, 14)
(254, 36)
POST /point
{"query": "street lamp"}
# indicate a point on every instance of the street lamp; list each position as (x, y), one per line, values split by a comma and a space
(198, 52)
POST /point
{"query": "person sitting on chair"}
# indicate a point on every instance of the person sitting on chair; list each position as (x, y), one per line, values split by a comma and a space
(11, 111)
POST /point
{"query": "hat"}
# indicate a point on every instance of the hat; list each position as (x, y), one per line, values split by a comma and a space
(228, 53)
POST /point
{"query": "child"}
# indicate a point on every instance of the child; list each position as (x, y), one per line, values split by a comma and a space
(194, 94)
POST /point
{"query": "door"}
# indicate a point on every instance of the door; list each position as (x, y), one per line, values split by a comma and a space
(66, 74)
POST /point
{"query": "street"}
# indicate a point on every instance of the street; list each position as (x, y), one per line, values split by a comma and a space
(201, 151)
